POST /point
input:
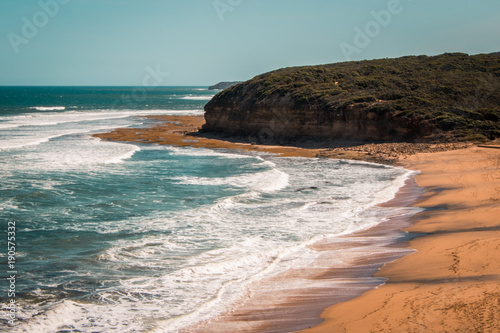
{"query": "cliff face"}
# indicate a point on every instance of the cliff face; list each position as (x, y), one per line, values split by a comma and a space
(411, 98)
(281, 117)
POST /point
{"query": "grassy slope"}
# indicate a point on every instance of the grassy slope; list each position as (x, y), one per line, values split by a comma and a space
(457, 93)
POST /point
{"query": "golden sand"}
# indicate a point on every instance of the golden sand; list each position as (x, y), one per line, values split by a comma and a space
(452, 284)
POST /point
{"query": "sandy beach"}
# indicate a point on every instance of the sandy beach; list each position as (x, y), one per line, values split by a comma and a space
(450, 283)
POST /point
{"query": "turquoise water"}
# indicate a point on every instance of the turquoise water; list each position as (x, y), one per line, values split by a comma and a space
(120, 237)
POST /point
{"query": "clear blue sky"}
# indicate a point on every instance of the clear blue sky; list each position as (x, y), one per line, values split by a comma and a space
(201, 42)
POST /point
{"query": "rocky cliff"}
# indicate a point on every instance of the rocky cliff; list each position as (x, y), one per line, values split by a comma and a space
(418, 98)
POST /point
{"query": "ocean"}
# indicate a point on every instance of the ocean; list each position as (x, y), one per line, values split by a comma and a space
(122, 237)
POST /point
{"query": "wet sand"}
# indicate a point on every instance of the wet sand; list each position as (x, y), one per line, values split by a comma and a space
(181, 131)
(294, 299)
(450, 284)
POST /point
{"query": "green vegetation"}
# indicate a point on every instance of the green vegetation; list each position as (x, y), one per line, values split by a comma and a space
(457, 94)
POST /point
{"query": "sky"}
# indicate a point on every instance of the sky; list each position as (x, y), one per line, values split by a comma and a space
(202, 42)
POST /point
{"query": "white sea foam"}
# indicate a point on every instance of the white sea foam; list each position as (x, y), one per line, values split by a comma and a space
(20, 139)
(69, 150)
(48, 108)
(266, 181)
(49, 119)
(189, 151)
(25, 131)
(8, 125)
(221, 273)
(9, 205)
(198, 98)
(203, 257)
(203, 285)
(58, 118)
(50, 321)
(390, 191)
(161, 112)
(91, 151)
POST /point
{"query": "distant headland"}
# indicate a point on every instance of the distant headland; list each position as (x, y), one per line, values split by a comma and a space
(446, 98)
(223, 85)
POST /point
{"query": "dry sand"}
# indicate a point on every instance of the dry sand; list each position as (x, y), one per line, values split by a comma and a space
(452, 283)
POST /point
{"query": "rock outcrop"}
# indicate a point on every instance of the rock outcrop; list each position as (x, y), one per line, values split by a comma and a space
(422, 99)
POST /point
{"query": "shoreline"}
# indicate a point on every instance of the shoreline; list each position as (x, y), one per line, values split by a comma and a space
(452, 282)
(181, 131)
(176, 132)
(345, 270)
